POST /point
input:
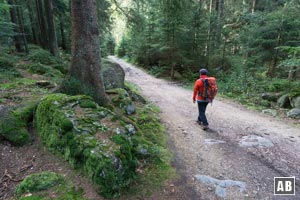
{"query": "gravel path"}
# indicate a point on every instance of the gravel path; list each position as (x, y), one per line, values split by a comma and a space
(238, 157)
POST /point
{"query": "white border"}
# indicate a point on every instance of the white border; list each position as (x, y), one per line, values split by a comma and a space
(285, 194)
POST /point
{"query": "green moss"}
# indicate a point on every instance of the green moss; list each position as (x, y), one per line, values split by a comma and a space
(38, 68)
(68, 126)
(78, 145)
(87, 104)
(13, 128)
(32, 198)
(19, 83)
(38, 182)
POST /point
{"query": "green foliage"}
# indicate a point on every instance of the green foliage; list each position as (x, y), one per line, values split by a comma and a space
(37, 68)
(42, 56)
(157, 71)
(7, 70)
(38, 182)
(6, 27)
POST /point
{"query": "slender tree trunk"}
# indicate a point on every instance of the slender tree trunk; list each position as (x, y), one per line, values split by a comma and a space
(62, 33)
(42, 24)
(52, 42)
(32, 23)
(85, 68)
(219, 22)
(254, 2)
(13, 16)
(208, 43)
(21, 24)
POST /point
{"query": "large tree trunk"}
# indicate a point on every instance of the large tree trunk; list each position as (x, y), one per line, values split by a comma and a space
(52, 42)
(13, 16)
(85, 69)
(42, 24)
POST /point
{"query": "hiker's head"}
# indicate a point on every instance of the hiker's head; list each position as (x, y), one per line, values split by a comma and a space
(203, 71)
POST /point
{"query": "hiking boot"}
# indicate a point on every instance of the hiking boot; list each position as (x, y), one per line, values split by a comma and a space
(199, 122)
(205, 127)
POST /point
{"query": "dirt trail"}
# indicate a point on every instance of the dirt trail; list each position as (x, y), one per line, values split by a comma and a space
(238, 157)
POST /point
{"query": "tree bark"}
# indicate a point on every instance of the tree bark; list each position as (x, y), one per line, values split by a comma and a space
(85, 67)
(254, 2)
(32, 23)
(13, 17)
(62, 33)
(21, 25)
(219, 22)
(52, 42)
(42, 24)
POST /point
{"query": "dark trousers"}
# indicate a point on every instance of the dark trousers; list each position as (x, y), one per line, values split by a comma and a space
(202, 108)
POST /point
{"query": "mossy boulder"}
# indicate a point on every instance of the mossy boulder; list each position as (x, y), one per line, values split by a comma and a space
(294, 113)
(39, 182)
(284, 101)
(82, 132)
(270, 96)
(295, 102)
(13, 124)
(113, 75)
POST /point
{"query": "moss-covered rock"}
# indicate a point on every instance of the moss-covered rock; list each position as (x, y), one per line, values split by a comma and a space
(38, 182)
(113, 75)
(71, 126)
(284, 101)
(13, 125)
(122, 99)
(47, 185)
(105, 146)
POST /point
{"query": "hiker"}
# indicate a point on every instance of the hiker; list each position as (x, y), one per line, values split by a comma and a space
(205, 89)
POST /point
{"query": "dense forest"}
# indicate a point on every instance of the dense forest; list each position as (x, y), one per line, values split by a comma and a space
(52, 77)
(252, 46)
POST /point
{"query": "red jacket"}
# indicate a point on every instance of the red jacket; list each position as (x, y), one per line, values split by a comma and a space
(199, 87)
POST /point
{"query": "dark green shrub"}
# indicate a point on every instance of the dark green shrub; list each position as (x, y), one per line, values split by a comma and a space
(7, 70)
(6, 63)
(42, 56)
(63, 68)
(38, 68)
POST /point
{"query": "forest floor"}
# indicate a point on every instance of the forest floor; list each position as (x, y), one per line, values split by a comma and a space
(238, 157)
